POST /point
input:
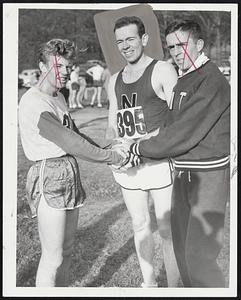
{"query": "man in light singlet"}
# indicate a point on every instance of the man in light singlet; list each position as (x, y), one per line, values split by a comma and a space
(52, 141)
(139, 96)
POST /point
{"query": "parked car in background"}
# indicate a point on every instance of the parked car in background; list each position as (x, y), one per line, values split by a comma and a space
(29, 77)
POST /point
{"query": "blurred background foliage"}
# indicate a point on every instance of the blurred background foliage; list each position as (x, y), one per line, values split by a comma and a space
(40, 25)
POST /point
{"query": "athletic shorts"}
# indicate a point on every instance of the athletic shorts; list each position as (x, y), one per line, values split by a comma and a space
(97, 83)
(151, 175)
(75, 86)
(58, 180)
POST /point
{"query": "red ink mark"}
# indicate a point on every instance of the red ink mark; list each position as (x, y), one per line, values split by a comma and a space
(186, 52)
(57, 75)
(46, 75)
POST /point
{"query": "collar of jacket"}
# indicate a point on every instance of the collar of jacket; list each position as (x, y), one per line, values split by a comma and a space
(201, 60)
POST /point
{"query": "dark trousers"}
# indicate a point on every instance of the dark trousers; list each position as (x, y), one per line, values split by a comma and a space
(198, 211)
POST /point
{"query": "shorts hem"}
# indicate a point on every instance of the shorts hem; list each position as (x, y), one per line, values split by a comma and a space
(146, 189)
(34, 215)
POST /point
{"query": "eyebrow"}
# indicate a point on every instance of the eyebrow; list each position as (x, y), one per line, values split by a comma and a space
(129, 37)
(177, 44)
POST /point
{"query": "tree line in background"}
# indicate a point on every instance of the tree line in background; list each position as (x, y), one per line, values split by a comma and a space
(37, 26)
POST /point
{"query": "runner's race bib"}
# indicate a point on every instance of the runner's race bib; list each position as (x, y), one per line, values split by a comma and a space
(131, 123)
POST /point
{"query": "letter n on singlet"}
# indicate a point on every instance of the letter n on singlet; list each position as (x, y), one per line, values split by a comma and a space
(126, 102)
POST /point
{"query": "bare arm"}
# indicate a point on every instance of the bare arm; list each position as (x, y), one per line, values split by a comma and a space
(90, 72)
(111, 131)
(164, 79)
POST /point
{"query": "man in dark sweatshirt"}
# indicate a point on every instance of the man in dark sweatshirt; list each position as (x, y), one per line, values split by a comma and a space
(197, 139)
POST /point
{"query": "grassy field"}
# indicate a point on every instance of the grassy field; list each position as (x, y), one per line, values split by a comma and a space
(104, 253)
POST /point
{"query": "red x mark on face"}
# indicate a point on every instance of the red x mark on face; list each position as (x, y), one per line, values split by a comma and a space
(185, 50)
(56, 69)
(57, 74)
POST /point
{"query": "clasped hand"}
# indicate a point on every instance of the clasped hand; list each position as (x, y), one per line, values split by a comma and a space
(122, 147)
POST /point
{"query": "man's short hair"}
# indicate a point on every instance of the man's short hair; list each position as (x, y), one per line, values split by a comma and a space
(186, 25)
(125, 21)
(64, 48)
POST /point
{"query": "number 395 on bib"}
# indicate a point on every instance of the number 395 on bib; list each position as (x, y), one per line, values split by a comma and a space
(131, 123)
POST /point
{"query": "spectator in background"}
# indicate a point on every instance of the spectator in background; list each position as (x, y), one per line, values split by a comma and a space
(83, 84)
(74, 88)
(105, 81)
(96, 72)
(65, 91)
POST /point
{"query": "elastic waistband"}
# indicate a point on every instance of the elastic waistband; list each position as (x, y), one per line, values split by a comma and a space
(221, 163)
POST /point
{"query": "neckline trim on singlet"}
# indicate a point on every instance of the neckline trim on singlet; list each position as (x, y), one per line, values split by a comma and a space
(55, 101)
(134, 82)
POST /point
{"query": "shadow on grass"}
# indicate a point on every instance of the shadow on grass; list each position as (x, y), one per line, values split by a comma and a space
(112, 264)
(90, 242)
(28, 251)
(116, 260)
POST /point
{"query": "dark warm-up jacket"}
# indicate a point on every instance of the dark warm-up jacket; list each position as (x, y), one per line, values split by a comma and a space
(197, 130)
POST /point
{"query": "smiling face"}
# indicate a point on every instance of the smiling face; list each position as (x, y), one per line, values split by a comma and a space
(183, 48)
(129, 43)
(56, 71)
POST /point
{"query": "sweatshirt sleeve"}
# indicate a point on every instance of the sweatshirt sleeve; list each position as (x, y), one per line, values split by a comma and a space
(106, 144)
(75, 129)
(198, 115)
(72, 143)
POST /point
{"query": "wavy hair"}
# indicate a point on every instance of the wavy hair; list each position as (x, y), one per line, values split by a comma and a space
(60, 47)
(186, 25)
(124, 21)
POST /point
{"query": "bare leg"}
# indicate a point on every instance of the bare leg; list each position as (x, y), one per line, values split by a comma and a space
(86, 93)
(81, 93)
(56, 231)
(71, 98)
(62, 277)
(75, 104)
(99, 89)
(162, 201)
(137, 205)
(93, 96)
(51, 225)
(78, 99)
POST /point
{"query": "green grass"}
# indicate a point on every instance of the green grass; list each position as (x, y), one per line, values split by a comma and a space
(104, 253)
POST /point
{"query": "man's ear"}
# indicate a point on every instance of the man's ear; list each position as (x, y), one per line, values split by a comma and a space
(42, 67)
(145, 38)
(200, 45)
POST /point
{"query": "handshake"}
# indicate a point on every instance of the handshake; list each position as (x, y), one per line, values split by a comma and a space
(123, 147)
